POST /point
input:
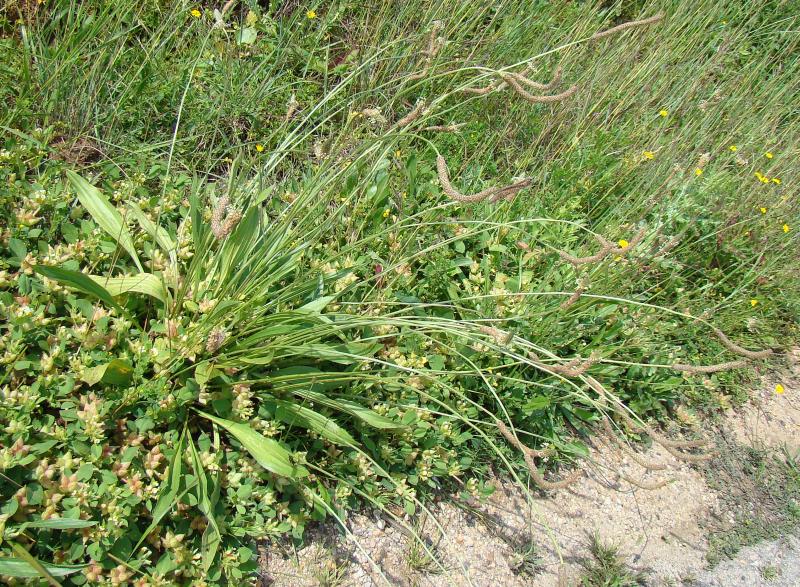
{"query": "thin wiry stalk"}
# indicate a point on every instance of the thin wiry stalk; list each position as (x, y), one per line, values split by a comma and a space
(699, 369)
(500, 192)
(533, 99)
(628, 25)
(735, 348)
(529, 455)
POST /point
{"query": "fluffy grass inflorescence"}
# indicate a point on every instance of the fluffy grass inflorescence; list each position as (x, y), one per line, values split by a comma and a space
(238, 299)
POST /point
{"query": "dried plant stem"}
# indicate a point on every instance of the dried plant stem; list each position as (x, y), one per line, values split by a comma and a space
(735, 348)
(573, 299)
(447, 187)
(710, 368)
(647, 486)
(628, 25)
(533, 99)
(615, 250)
(636, 457)
(573, 368)
(501, 336)
(418, 110)
(577, 261)
(530, 454)
(430, 53)
(520, 77)
(509, 191)
(444, 127)
(669, 445)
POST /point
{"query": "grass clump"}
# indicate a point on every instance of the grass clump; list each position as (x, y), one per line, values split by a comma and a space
(606, 568)
(239, 299)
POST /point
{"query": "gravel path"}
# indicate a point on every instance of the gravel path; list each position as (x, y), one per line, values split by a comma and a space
(662, 532)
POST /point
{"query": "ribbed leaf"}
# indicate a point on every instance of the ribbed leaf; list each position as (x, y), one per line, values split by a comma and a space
(58, 524)
(354, 409)
(267, 452)
(307, 418)
(106, 215)
(79, 281)
(16, 567)
(144, 283)
(160, 235)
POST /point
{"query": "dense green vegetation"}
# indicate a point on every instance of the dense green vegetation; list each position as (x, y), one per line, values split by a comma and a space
(239, 297)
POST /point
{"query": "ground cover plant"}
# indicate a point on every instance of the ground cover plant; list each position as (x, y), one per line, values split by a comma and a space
(264, 263)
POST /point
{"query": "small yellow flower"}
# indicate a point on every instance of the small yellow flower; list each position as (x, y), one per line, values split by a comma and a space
(311, 14)
(623, 243)
(753, 303)
(786, 228)
(733, 148)
(648, 154)
(386, 213)
(763, 210)
(776, 180)
(768, 155)
(698, 172)
(663, 114)
(779, 389)
(196, 13)
(398, 153)
(259, 147)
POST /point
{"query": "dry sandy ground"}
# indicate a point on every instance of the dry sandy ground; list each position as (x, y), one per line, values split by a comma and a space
(658, 531)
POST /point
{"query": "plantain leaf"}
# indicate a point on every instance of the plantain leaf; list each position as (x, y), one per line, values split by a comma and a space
(79, 281)
(39, 568)
(354, 409)
(107, 216)
(160, 235)
(144, 283)
(16, 567)
(58, 524)
(212, 536)
(170, 493)
(267, 452)
(307, 418)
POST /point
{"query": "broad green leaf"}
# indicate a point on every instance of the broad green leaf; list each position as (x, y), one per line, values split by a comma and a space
(39, 568)
(116, 372)
(16, 567)
(144, 283)
(267, 452)
(246, 36)
(107, 216)
(79, 281)
(298, 415)
(316, 306)
(354, 409)
(59, 524)
(160, 235)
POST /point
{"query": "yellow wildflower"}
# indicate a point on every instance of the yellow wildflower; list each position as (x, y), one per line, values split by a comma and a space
(753, 303)
(776, 180)
(698, 172)
(196, 13)
(311, 14)
(623, 243)
(768, 155)
(763, 210)
(386, 213)
(779, 389)
(733, 148)
(648, 154)
(259, 147)
(786, 228)
(663, 114)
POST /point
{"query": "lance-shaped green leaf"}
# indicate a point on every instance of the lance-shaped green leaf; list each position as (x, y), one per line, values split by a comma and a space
(267, 452)
(350, 407)
(160, 235)
(304, 417)
(107, 216)
(79, 281)
(144, 283)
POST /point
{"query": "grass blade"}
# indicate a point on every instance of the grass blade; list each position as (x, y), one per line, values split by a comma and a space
(79, 281)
